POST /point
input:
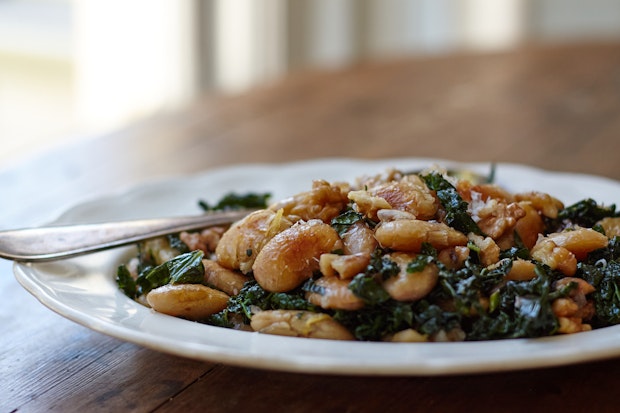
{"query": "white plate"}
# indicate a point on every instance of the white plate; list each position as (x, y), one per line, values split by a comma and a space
(83, 289)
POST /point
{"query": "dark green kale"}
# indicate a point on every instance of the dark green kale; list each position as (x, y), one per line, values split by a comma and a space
(253, 295)
(585, 213)
(147, 251)
(381, 315)
(367, 285)
(514, 253)
(519, 250)
(369, 289)
(466, 286)
(430, 319)
(233, 201)
(125, 281)
(419, 263)
(176, 243)
(381, 265)
(374, 322)
(513, 309)
(426, 256)
(491, 177)
(183, 269)
(520, 309)
(343, 221)
(456, 208)
(146, 259)
(605, 277)
(250, 295)
(610, 253)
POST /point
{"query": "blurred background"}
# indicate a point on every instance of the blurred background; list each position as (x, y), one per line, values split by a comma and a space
(73, 69)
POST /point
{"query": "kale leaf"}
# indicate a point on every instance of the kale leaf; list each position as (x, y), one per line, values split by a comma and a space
(253, 295)
(519, 250)
(456, 208)
(466, 286)
(430, 319)
(367, 285)
(605, 277)
(381, 315)
(233, 201)
(523, 310)
(343, 222)
(585, 213)
(125, 281)
(610, 253)
(514, 309)
(369, 289)
(514, 253)
(175, 242)
(427, 255)
(381, 265)
(374, 322)
(183, 269)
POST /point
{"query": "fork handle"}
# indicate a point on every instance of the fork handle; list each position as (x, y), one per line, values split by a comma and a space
(62, 241)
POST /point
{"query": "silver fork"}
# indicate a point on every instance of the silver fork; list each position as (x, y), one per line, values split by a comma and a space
(62, 241)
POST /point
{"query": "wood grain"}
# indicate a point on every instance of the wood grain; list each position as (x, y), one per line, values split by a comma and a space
(547, 390)
(554, 108)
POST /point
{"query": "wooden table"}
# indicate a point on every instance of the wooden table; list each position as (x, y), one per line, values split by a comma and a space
(554, 108)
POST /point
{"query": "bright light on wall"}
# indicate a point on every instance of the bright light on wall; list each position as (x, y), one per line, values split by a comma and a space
(496, 24)
(132, 60)
(250, 42)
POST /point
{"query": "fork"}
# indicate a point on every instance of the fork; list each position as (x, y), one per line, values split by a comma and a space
(62, 241)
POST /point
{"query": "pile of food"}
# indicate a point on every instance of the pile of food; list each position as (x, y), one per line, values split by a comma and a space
(404, 257)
